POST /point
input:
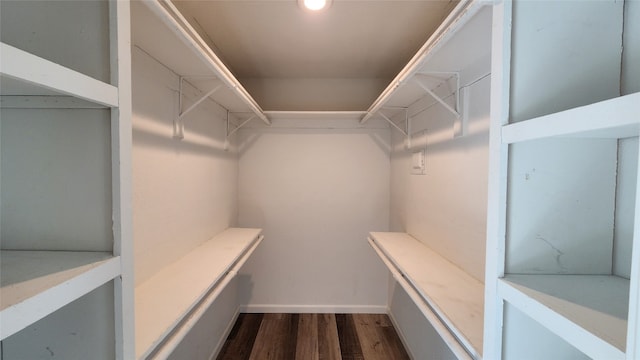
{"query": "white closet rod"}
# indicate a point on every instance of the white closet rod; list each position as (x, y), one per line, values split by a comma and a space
(461, 14)
(170, 16)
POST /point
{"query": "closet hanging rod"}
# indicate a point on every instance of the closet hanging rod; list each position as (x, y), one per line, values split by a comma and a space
(463, 12)
(171, 16)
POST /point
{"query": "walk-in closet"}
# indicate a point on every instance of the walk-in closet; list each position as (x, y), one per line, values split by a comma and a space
(431, 179)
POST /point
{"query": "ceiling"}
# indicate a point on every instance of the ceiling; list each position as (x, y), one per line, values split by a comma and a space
(338, 59)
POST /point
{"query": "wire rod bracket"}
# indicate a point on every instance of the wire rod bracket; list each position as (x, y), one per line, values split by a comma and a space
(178, 122)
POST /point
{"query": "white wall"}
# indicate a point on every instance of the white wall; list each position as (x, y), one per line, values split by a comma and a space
(56, 179)
(631, 48)
(446, 208)
(627, 148)
(184, 191)
(69, 333)
(316, 188)
(526, 339)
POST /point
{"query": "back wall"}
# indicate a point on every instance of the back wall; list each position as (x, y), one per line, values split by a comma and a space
(316, 187)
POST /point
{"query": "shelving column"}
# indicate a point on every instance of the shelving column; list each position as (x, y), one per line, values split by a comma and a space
(121, 173)
(563, 157)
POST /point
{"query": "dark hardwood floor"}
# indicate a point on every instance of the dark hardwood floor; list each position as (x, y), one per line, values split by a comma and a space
(313, 337)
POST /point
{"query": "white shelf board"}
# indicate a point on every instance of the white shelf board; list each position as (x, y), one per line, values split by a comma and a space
(615, 118)
(164, 300)
(315, 115)
(456, 297)
(154, 37)
(22, 73)
(37, 283)
(587, 311)
(465, 48)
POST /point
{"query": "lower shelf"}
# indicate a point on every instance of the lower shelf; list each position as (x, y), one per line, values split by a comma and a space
(587, 311)
(165, 300)
(454, 296)
(36, 283)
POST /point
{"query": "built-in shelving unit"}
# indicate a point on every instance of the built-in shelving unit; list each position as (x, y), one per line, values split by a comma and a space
(455, 298)
(168, 300)
(564, 175)
(58, 245)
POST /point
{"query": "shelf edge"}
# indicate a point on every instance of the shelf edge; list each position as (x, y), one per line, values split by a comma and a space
(462, 338)
(618, 113)
(27, 312)
(26, 67)
(563, 327)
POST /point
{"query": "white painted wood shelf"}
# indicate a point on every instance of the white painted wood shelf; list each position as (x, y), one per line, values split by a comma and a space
(37, 283)
(166, 299)
(587, 311)
(457, 54)
(179, 49)
(25, 74)
(455, 296)
(614, 118)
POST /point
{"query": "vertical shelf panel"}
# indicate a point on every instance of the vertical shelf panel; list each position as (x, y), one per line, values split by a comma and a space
(551, 42)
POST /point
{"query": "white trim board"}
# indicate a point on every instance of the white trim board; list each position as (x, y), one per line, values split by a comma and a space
(314, 309)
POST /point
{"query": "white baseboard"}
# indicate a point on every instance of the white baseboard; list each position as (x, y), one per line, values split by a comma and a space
(314, 309)
(400, 333)
(223, 338)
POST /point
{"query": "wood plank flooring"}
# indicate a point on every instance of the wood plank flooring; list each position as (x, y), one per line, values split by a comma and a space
(313, 337)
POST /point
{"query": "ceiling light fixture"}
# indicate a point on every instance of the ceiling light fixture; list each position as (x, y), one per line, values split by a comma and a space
(314, 5)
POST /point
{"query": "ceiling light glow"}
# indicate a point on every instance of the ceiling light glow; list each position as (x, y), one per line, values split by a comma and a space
(315, 5)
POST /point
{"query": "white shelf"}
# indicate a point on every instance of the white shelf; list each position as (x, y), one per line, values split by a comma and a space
(158, 38)
(37, 283)
(22, 73)
(163, 301)
(587, 311)
(615, 118)
(455, 296)
(465, 49)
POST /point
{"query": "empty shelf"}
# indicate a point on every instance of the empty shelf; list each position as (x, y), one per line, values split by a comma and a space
(615, 118)
(164, 300)
(37, 283)
(23, 73)
(587, 311)
(455, 296)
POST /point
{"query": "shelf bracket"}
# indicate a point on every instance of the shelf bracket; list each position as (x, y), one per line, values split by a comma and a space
(230, 131)
(178, 123)
(404, 132)
(454, 111)
(407, 123)
(461, 107)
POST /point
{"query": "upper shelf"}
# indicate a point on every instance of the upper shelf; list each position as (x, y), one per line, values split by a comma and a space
(37, 283)
(22, 73)
(588, 311)
(454, 295)
(614, 118)
(461, 45)
(159, 30)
